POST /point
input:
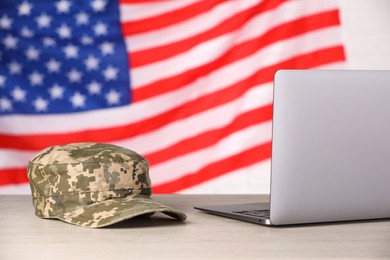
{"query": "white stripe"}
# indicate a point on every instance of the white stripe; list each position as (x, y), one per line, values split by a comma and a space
(258, 25)
(137, 11)
(287, 12)
(200, 55)
(15, 124)
(254, 179)
(11, 158)
(338, 65)
(15, 189)
(188, 28)
(229, 146)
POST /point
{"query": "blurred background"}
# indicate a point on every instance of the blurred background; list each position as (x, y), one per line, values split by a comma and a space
(188, 84)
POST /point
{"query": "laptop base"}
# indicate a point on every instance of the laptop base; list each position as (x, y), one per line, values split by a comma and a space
(238, 211)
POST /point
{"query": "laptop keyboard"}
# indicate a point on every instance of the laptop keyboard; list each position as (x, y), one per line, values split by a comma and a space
(254, 213)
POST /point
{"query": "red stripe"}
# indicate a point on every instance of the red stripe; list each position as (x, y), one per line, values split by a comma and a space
(238, 52)
(168, 18)
(211, 137)
(38, 142)
(241, 160)
(141, 58)
(13, 176)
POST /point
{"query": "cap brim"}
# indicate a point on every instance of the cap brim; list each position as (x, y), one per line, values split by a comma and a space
(114, 210)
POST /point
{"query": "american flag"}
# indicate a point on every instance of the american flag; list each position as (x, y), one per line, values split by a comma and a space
(186, 83)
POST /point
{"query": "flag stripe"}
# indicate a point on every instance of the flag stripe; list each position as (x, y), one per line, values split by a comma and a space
(13, 176)
(209, 138)
(140, 9)
(232, 23)
(245, 158)
(189, 28)
(168, 18)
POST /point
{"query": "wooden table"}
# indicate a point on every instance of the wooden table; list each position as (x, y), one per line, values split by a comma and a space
(203, 236)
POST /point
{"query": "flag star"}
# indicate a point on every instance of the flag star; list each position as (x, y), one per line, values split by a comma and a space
(43, 20)
(110, 73)
(10, 42)
(25, 32)
(32, 53)
(98, 5)
(82, 18)
(107, 48)
(19, 94)
(78, 100)
(71, 51)
(86, 40)
(2, 80)
(40, 104)
(5, 104)
(94, 88)
(56, 91)
(92, 63)
(63, 6)
(53, 66)
(36, 78)
(48, 42)
(5, 22)
(64, 31)
(113, 97)
(100, 29)
(74, 76)
(24, 8)
(14, 67)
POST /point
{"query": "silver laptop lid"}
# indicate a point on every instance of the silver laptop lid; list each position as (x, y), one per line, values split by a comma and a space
(331, 146)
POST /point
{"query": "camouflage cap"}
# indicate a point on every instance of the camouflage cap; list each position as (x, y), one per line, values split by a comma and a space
(92, 185)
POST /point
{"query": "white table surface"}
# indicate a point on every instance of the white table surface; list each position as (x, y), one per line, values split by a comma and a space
(202, 236)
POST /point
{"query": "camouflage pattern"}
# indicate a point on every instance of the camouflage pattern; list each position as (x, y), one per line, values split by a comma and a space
(92, 185)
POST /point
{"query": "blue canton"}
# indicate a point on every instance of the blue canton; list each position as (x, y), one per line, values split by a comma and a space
(61, 57)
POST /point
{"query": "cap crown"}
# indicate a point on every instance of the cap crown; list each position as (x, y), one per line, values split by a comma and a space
(65, 178)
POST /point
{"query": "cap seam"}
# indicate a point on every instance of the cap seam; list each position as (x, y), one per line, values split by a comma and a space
(78, 192)
(84, 162)
(123, 213)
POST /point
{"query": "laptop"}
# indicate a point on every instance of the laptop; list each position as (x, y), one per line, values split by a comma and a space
(330, 150)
